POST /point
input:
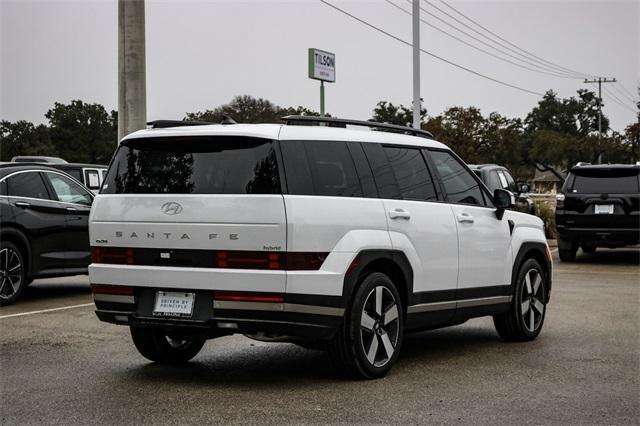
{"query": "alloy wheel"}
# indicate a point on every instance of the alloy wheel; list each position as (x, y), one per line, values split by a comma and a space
(379, 326)
(10, 273)
(533, 306)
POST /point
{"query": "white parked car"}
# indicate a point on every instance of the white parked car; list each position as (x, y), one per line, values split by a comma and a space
(324, 236)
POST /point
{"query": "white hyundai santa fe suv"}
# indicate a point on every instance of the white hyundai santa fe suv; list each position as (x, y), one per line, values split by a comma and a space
(322, 235)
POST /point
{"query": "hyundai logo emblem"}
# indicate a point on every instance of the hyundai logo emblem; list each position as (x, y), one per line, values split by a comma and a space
(171, 208)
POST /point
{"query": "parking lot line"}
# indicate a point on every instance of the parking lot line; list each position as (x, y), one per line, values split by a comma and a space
(43, 311)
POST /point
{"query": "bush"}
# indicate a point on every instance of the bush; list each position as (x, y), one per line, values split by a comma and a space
(546, 210)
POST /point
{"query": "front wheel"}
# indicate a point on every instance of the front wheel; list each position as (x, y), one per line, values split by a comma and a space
(523, 321)
(13, 278)
(369, 340)
(156, 345)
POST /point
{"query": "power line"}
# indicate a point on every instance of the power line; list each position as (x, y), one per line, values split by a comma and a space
(380, 30)
(559, 67)
(556, 74)
(615, 99)
(623, 94)
(476, 47)
(625, 89)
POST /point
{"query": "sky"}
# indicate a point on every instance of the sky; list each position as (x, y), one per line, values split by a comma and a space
(200, 54)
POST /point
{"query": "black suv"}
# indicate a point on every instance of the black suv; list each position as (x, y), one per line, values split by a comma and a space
(499, 177)
(43, 226)
(599, 206)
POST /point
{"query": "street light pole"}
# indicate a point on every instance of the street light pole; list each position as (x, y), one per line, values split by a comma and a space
(132, 82)
(416, 64)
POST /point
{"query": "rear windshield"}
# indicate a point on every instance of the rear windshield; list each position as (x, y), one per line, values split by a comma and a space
(194, 165)
(606, 181)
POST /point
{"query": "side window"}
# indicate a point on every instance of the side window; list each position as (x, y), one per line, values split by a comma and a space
(320, 168)
(511, 184)
(364, 171)
(411, 173)
(91, 179)
(3, 187)
(503, 180)
(29, 184)
(75, 173)
(382, 172)
(460, 185)
(68, 191)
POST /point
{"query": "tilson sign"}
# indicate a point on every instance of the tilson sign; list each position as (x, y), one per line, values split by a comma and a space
(322, 65)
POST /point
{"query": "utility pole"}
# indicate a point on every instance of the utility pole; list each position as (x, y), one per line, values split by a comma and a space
(600, 80)
(132, 81)
(416, 64)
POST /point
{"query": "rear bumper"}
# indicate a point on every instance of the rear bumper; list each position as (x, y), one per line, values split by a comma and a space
(601, 236)
(301, 316)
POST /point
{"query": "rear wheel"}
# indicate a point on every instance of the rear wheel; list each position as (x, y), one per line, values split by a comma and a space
(370, 337)
(525, 317)
(12, 273)
(156, 345)
(567, 250)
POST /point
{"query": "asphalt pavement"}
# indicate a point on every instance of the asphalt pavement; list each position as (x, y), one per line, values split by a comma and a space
(60, 365)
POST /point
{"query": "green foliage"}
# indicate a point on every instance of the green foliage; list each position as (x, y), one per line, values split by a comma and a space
(247, 109)
(23, 138)
(546, 210)
(386, 112)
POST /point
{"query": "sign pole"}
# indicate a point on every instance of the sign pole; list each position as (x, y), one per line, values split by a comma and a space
(321, 98)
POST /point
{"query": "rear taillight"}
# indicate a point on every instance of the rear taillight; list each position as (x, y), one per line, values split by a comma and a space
(121, 290)
(559, 201)
(241, 296)
(113, 255)
(292, 261)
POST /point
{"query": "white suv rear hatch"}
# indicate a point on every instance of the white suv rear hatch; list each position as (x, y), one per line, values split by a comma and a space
(175, 194)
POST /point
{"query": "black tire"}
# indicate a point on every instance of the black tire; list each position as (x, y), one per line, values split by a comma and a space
(12, 273)
(155, 345)
(370, 330)
(525, 318)
(567, 250)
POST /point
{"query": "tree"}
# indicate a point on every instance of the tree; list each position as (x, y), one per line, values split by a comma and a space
(23, 138)
(82, 132)
(386, 112)
(247, 109)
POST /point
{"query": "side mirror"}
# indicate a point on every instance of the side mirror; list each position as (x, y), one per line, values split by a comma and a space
(503, 199)
(524, 188)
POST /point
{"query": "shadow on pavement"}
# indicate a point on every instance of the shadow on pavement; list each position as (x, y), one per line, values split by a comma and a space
(604, 256)
(52, 289)
(274, 365)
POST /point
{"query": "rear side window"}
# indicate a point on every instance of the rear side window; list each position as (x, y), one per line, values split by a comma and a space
(194, 165)
(459, 183)
(411, 173)
(92, 179)
(28, 184)
(320, 168)
(606, 182)
(68, 191)
(382, 172)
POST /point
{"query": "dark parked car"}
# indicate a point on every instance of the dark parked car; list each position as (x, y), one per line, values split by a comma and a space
(499, 177)
(599, 206)
(43, 226)
(91, 175)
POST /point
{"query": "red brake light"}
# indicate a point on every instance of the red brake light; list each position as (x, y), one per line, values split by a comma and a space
(237, 296)
(292, 261)
(113, 255)
(112, 289)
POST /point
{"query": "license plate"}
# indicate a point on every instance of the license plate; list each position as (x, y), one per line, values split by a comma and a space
(174, 304)
(604, 208)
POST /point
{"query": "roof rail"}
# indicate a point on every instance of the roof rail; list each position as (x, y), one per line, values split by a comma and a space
(163, 124)
(582, 163)
(310, 120)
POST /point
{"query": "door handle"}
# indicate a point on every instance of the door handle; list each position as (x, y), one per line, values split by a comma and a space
(22, 204)
(465, 218)
(399, 214)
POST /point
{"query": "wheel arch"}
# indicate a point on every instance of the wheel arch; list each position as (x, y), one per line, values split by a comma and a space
(17, 237)
(393, 263)
(537, 251)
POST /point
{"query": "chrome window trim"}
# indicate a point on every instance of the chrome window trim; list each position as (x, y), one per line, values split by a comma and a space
(45, 199)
